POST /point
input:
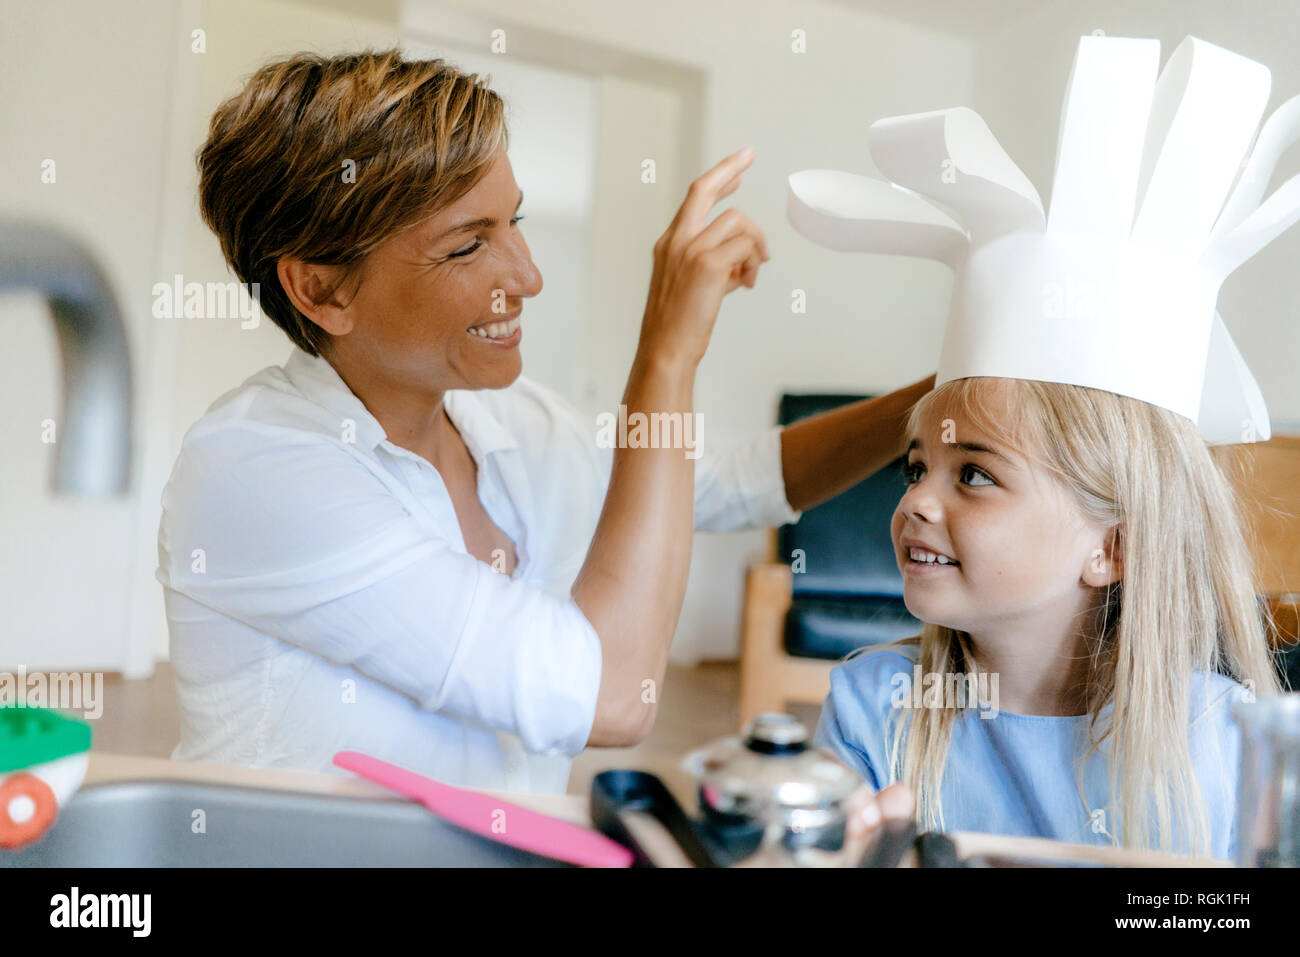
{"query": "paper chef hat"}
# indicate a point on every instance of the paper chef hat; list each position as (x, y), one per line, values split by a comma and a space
(1116, 286)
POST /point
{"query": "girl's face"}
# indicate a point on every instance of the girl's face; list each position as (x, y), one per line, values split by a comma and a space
(1017, 552)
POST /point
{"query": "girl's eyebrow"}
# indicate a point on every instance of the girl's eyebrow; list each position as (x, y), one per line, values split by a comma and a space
(963, 447)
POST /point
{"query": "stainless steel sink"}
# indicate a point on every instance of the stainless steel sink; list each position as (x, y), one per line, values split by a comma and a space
(150, 823)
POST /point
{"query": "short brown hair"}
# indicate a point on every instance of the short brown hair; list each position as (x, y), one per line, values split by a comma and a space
(272, 173)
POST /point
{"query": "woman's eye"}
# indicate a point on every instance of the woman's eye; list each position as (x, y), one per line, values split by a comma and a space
(469, 249)
(910, 471)
(978, 473)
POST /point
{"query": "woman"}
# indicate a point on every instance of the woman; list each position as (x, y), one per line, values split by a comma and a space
(396, 544)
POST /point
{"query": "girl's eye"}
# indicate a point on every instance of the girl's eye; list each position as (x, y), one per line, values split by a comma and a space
(469, 249)
(912, 470)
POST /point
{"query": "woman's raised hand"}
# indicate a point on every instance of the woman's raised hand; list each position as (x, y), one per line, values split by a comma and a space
(631, 586)
(696, 263)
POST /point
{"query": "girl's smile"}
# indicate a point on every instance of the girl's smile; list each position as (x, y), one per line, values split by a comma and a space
(922, 560)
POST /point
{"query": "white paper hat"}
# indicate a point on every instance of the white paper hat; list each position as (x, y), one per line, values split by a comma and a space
(1116, 286)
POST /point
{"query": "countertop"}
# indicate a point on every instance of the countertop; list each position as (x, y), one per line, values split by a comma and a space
(108, 766)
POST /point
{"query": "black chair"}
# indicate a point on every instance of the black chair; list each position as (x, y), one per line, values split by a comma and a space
(834, 586)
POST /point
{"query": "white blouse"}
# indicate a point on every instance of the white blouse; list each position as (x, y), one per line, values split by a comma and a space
(320, 596)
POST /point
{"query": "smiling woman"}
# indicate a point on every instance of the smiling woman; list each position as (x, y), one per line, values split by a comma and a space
(329, 158)
(396, 543)
(375, 546)
(440, 299)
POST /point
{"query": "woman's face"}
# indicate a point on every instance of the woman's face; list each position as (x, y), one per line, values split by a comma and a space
(438, 305)
(1022, 554)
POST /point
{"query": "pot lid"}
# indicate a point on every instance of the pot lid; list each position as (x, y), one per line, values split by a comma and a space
(773, 764)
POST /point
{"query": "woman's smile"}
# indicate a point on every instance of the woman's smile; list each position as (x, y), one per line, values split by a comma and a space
(503, 333)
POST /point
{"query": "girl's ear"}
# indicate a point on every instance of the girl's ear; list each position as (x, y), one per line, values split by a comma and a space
(1105, 565)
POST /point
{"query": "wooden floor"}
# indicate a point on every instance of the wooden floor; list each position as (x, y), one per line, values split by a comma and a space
(698, 705)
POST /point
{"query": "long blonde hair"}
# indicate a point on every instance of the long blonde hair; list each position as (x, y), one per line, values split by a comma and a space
(1186, 601)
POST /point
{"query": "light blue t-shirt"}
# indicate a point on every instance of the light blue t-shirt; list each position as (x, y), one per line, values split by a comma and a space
(1016, 774)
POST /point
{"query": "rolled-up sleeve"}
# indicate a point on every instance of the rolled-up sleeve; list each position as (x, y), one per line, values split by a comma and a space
(743, 487)
(301, 541)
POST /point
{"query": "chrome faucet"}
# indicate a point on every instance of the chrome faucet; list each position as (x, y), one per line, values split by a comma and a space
(93, 433)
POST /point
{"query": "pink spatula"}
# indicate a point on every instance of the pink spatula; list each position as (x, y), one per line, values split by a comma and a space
(516, 826)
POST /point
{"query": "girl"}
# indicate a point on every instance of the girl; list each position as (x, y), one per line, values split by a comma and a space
(1079, 563)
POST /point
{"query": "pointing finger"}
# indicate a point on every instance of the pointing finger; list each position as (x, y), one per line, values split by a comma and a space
(712, 186)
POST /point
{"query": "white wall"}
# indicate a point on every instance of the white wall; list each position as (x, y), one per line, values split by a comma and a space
(1021, 68)
(100, 110)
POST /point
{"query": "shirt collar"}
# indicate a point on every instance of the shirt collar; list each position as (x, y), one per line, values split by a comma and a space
(482, 431)
(319, 381)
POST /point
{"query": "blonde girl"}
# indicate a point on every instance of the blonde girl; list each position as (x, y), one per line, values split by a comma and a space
(1080, 567)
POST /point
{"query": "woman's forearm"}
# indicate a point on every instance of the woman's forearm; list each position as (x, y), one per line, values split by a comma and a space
(633, 582)
(825, 454)
(634, 579)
